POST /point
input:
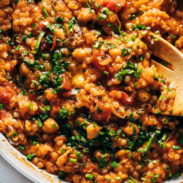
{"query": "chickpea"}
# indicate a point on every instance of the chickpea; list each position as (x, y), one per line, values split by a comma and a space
(34, 108)
(24, 69)
(121, 168)
(54, 155)
(60, 33)
(127, 79)
(51, 96)
(92, 132)
(120, 153)
(47, 66)
(135, 174)
(143, 95)
(114, 52)
(78, 80)
(80, 54)
(40, 165)
(128, 130)
(50, 126)
(65, 51)
(163, 106)
(85, 15)
(151, 165)
(28, 125)
(63, 158)
(72, 66)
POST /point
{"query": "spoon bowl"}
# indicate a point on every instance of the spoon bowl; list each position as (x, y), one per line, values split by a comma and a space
(166, 51)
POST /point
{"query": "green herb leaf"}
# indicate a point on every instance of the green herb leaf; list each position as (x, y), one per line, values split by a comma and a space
(99, 110)
(133, 179)
(41, 34)
(89, 176)
(45, 12)
(1, 106)
(17, 48)
(21, 147)
(150, 141)
(103, 16)
(39, 124)
(54, 126)
(15, 134)
(72, 160)
(175, 147)
(114, 164)
(30, 156)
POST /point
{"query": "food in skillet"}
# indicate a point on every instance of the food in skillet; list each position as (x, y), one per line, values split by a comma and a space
(79, 96)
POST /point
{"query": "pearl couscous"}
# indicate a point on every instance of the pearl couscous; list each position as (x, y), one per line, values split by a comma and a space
(79, 96)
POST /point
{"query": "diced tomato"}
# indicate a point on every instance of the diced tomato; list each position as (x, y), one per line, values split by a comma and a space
(96, 54)
(3, 127)
(54, 43)
(89, 166)
(98, 4)
(55, 108)
(95, 61)
(124, 98)
(66, 83)
(100, 181)
(64, 138)
(69, 164)
(103, 112)
(45, 46)
(153, 121)
(43, 25)
(85, 159)
(3, 114)
(32, 96)
(66, 94)
(66, 86)
(114, 5)
(5, 95)
(110, 79)
(91, 38)
(12, 66)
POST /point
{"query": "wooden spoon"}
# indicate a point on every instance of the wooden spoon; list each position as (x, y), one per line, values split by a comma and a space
(172, 55)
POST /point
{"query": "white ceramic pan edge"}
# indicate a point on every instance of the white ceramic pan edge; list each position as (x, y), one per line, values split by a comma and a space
(19, 162)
